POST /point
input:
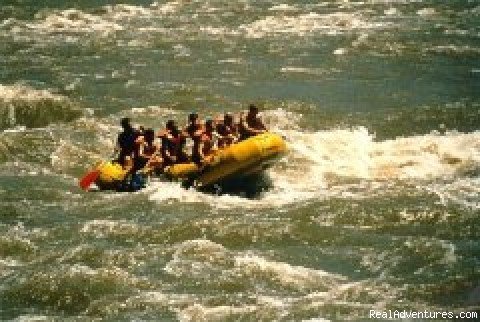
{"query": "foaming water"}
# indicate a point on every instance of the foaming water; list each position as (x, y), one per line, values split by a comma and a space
(375, 205)
(210, 263)
(305, 24)
(344, 162)
(462, 191)
(356, 154)
(104, 22)
(25, 106)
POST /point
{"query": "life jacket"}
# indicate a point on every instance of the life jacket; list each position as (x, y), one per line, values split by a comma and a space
(173, 144)
(126, 140)
(225, 130)
(207, 139)
(176, 140)
(252, 122)
(192, 128)
(149, 150)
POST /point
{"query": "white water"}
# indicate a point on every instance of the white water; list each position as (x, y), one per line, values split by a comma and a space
(319, 163)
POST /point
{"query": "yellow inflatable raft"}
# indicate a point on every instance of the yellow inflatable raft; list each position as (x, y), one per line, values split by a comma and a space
(111, 174)
(244, 158)
(240, 159)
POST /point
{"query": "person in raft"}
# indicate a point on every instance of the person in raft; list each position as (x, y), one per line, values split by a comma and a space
(227, 131)
(126, 142)
(148, 153)
(173, 143)
(128, 147)
(194, 126)
(251, 124)
(203, 145)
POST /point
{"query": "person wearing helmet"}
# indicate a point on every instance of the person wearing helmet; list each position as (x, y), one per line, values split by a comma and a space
(194, 126)
(173, 143)
(126, 142)
(251, 124)
(204, 145)
(227, 131)
(148, 154)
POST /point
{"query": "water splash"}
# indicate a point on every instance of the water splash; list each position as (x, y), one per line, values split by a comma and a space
(25, 106)
(319, 163)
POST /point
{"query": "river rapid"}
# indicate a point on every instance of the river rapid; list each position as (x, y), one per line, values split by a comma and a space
(375, 206)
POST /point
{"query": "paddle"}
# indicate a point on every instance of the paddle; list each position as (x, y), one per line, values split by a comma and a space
(88, 179)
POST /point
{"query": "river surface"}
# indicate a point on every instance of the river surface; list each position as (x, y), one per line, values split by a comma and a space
(375, 206)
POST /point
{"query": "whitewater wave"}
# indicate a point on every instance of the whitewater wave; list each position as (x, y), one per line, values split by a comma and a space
(72, 24)
(343, 162)
(308, 23)
(205, 260)
(354, 153)
(208, 263)
(454, 50)
(104, 21)
(463, 192)
(320, 164)
(69, 288)
(25, 106)
(102, 228)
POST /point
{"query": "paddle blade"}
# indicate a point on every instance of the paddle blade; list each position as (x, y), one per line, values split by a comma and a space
(88, 179)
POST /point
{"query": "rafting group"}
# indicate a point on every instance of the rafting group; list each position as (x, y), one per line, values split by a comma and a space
(140, 151)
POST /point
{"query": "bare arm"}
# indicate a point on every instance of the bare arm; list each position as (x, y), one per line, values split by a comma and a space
(252, 130)
(200, 150)
(261, 124)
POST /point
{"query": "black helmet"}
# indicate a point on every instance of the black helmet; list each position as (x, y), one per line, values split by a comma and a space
(125, 123)
(253, 108)
(149, 134)
(192, 116)
(171, 124)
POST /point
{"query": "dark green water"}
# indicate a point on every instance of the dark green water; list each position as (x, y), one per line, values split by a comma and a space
(375, 206)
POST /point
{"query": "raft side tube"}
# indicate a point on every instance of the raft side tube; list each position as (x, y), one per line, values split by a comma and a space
(239, 159)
